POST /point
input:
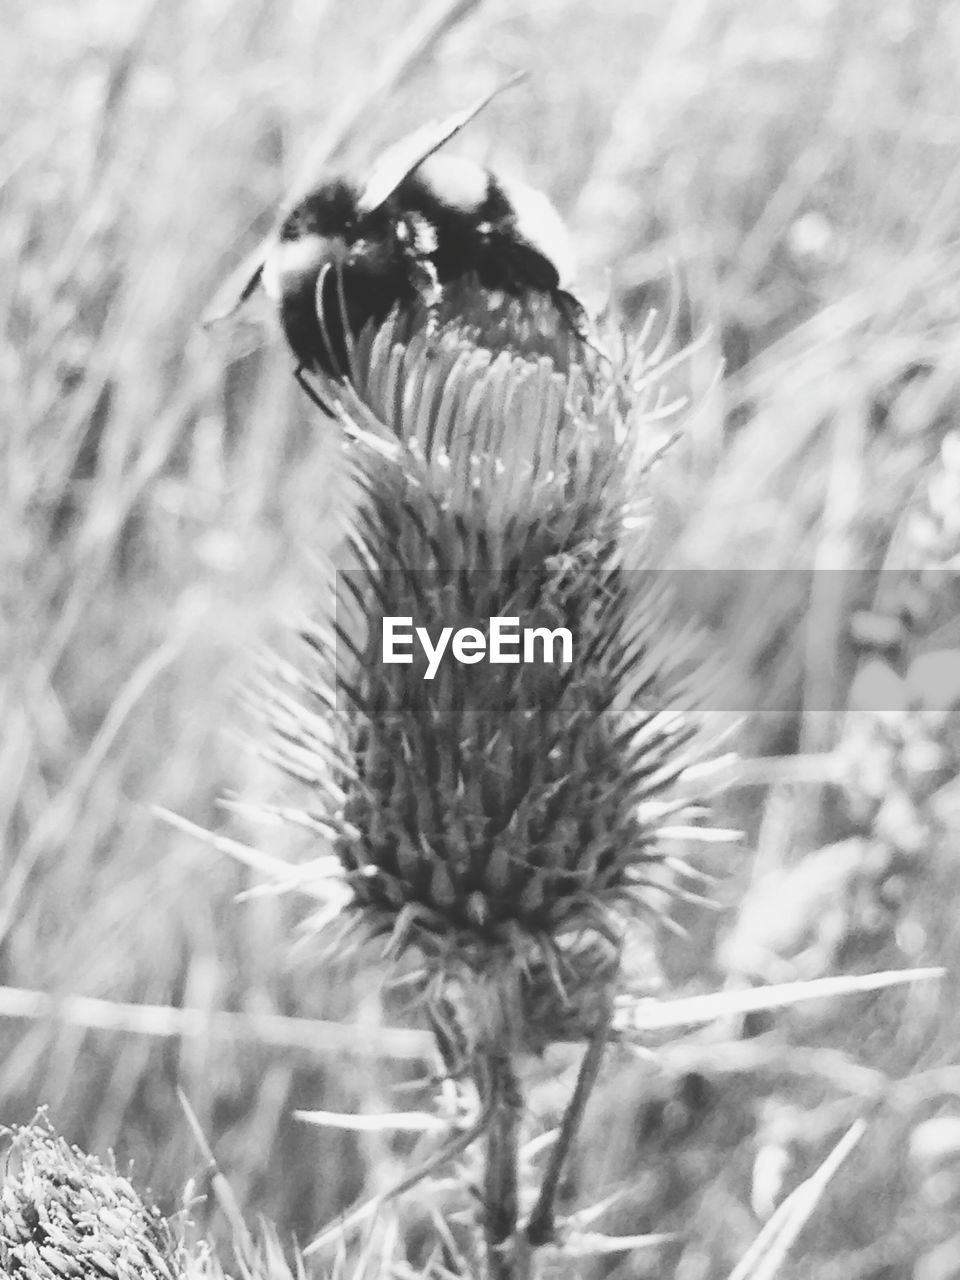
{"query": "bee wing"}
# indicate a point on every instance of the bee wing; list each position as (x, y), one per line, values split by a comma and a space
(400, 160)
(388, 172)
(238, 286)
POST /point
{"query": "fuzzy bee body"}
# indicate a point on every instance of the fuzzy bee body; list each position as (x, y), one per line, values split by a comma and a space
(479, 228)
(331, 270)
(347, 252)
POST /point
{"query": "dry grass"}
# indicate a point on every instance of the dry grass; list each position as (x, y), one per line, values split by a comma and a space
(162, 490)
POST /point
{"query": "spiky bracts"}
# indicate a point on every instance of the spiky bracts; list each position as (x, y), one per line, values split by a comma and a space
(488, 815)
(496, 817)
(64, 1214)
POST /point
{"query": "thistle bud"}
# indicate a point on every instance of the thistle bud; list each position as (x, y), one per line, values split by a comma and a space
(497, 814)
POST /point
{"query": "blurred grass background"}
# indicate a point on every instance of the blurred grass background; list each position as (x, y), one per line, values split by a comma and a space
(163, 488)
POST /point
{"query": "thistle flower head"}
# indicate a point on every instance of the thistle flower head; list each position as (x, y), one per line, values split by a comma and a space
(63, 1213)
(498, 818)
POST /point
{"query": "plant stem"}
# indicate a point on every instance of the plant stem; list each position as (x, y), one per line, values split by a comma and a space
(541, 1226)
(501, 1200)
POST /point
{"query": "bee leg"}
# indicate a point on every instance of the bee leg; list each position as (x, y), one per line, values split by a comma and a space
(300, 377)
(574, 316)
(431, 294)
(572, 313)
(417, 238)
(541, 1225)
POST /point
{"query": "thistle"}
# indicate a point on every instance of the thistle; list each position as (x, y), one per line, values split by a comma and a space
(66, 1214)
(499, 822)
(63, 1213)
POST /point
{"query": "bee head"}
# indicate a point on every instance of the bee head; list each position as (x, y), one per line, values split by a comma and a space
(318, 230)
(330, 210)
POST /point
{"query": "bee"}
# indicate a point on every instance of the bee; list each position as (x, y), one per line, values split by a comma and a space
(347, 252)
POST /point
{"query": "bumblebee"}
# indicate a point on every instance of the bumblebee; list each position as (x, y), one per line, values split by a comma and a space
(347, 252)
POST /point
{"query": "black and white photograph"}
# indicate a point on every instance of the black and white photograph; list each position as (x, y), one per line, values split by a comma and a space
(480, 640)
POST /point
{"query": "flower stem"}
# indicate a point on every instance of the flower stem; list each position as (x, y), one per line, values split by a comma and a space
(541, 1225)
(501, 1199)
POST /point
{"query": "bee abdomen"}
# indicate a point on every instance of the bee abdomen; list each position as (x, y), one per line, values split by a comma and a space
(480, 230)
